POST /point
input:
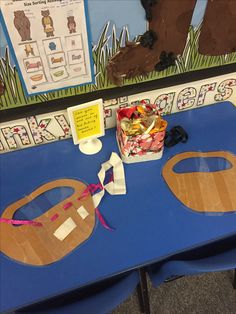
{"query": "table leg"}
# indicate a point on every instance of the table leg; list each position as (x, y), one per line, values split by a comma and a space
(234, 280)
(140, 298)
(143, 292)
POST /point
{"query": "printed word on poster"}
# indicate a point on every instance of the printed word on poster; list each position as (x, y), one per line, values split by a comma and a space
(87, 123)
(50, 42)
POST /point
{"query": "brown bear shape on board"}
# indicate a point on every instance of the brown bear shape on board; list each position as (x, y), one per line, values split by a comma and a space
(71, 24)
(47, 22)
(22, 24)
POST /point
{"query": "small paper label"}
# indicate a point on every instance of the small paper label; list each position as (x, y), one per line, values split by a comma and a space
(87, 121)
(82, 212)
(65, 229)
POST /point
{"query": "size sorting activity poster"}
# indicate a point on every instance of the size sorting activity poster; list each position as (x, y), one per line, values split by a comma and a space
(50, 42)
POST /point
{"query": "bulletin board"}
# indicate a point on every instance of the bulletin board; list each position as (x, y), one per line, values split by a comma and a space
(50, 43)
(114, 40)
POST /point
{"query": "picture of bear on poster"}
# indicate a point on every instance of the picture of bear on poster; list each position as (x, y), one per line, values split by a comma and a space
(71, 24)
(22, 24)
(47, 22)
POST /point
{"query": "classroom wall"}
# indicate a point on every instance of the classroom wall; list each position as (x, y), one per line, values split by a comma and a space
(111, 21)
(107, 20)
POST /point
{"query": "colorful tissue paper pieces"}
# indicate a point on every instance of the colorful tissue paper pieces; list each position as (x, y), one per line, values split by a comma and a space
(140, 131)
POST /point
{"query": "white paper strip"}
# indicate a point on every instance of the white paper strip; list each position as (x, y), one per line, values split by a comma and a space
(65, 229)
(82, 212)
(116, 187)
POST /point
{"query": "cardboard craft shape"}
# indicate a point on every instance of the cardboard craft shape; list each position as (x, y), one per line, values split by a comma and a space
(54, 239)
(203, 191)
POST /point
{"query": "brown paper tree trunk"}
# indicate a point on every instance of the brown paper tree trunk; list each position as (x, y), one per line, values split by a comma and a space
(218, 33)
(170, 22)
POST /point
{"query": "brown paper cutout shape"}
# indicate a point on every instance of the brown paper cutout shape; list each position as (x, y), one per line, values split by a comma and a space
(170, 21)
(203, 191)
(38, 245)
(218, 32)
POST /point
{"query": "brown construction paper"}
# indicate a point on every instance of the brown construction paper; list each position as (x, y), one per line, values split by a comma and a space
(38, 245)
(218, 32)
(170, 21)
(203, 191)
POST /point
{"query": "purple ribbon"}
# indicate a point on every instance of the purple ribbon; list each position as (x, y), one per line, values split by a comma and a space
(21, 222)
(91, 188)
(102, 220)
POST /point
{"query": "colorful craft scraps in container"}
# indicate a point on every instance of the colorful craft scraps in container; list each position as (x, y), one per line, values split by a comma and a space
(140, 131)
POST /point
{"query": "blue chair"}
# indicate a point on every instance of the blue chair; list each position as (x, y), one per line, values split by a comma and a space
(210, 258)
(179, 268)
(100, 298)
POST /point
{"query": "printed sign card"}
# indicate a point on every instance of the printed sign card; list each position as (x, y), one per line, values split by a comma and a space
(87, 121)
(50, 42)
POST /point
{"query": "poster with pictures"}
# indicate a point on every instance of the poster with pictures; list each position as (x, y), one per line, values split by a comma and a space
(50, 42)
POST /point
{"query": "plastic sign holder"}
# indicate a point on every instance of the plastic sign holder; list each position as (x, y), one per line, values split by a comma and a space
(87, 124)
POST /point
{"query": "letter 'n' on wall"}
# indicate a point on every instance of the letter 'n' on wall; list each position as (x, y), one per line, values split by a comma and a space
(15, 134)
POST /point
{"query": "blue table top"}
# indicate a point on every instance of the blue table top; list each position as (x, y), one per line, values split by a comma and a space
(151, 224)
